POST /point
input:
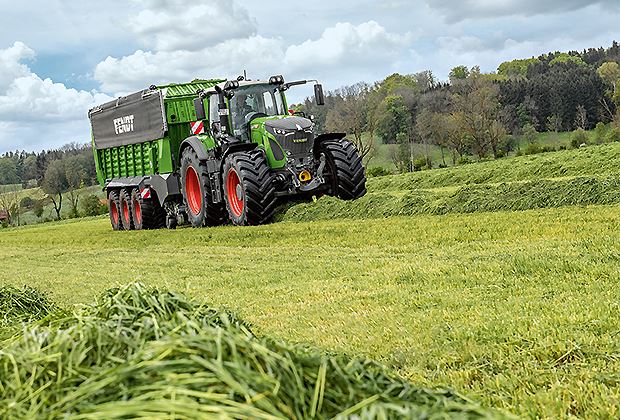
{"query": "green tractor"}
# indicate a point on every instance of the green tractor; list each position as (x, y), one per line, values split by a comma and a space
(213, 151)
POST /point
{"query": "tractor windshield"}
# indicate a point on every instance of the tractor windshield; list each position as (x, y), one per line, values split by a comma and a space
(254, 101)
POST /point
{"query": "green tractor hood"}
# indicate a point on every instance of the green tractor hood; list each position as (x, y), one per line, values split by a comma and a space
(283, 137)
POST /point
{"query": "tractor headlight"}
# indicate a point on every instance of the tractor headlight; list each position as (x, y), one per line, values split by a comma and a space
(231, 84)
(276, 80)
(280, 131)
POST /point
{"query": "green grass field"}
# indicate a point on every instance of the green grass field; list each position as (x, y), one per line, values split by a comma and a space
(518, 310)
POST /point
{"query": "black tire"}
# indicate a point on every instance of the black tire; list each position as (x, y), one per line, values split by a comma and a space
(251, 199)
(146, 212)
(125, 209)
(345, 177)
(114, 206)
(201, 210)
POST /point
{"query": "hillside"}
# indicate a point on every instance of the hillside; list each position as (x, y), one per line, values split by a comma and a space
(515, 309)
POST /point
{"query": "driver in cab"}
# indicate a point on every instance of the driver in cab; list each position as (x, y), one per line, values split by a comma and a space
(242, 108)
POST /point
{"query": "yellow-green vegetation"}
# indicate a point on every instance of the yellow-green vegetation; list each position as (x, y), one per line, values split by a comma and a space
(148, 353)
(517, 310)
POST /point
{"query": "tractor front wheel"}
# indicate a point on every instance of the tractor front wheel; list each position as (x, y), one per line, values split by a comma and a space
(345, 176)
(249, 188)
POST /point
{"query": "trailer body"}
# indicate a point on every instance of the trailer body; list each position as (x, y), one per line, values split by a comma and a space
(147, 143)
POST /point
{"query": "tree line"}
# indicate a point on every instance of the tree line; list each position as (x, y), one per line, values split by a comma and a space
(60, 173)
(475, 113)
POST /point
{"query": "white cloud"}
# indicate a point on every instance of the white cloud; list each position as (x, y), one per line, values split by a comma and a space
(190, 25)
(11, 65)
(457, 10)
(27, 101)
(143, 68)
(342, 48)
(347, 44)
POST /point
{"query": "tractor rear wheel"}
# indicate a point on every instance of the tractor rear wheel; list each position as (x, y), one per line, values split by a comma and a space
(114, 206)
(201, 209)
(126, 211)
(345, 176)
(249, 188)
(146, 211)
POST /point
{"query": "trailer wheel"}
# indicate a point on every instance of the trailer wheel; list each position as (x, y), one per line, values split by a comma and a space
(126, 210)
(345, 175)
(146, 212)
(114, 206)
(201, 209)
(249, 188)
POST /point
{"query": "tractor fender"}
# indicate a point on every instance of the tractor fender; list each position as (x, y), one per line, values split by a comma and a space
(195, 143)
(237, 147)
(324, 137)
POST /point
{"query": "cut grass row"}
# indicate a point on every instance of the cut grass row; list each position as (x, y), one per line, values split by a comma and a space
(516, 196)
(517, 310)
(576, 177)
(139, 352)
(601, 160)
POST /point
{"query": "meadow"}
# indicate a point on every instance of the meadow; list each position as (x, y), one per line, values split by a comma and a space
(517, 310)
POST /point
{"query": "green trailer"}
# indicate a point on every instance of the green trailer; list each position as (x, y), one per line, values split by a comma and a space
(211, 152)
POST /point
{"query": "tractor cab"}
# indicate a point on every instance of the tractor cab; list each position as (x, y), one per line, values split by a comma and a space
(254, 101)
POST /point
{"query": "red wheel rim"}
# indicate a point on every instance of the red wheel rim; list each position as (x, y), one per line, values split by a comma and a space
(125, 207)
(234, 191)
(138, 211)
(192, 190)
(114, 212)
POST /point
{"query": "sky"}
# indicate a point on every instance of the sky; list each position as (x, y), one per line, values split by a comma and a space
(60, 58)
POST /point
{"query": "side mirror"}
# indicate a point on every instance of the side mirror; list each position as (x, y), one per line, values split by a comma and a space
(199, 106)
(318, 94)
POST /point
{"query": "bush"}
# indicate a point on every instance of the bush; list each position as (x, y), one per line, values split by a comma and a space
(578, 138)
(529, 133)
(73, 214)
(92, 206)
(376, 171)
(532, 149)
(613, 135)
(464, 160)
(38, 208)
(27, 203)
(419, 163)
(600, 133)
